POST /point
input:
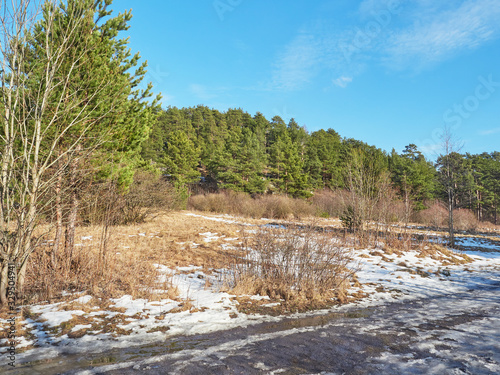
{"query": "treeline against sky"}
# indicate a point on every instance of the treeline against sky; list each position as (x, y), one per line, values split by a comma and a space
(237, 151)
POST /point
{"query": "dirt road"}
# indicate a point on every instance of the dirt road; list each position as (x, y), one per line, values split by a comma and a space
(447, 334)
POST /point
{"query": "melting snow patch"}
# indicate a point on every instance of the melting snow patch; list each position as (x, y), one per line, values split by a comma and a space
(209, 237)
(83, 300)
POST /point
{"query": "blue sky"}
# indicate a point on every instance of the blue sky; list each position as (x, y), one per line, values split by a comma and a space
(387, 72)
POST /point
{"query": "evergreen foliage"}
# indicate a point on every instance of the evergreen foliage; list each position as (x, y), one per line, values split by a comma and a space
(252, 154)
(412, 175)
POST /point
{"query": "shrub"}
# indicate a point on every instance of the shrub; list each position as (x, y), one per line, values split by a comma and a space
(350, 220)
(210, 203)
(237, 203)
(331, 203)
(302, 208)
(277, 207)
(198, 203)
(250, 207)
(436, 215)
(390, 208)
(148, 195)
(465, 220)
(297, 266)
(99, 273)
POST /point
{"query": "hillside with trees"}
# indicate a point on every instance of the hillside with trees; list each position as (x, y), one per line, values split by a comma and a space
(205, 150)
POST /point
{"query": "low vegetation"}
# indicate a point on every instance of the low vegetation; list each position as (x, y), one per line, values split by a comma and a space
(242, 204)
(296, 266)
(124, 262)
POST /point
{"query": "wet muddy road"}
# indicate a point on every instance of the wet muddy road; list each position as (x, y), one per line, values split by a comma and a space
(447, 334)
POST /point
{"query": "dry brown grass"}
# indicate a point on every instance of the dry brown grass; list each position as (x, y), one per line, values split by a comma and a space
(174, 239)
(126, 266)
(444, 255)
(488, 227)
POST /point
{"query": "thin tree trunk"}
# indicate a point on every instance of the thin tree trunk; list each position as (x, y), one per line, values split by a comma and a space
(70, 228)
(478, 195)
(4, 282)
(59, 222)
(21, 276)
(450, 219)
(73, 211)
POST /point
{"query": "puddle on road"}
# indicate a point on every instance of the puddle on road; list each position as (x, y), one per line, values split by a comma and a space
(72, 362)
(309, 321)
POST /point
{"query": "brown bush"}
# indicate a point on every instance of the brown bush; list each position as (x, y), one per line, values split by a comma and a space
(436, 216)
(97, 273)
(464, 219)
(297, 266)
(396, 211)
(302, 208)
(330, 203)
(148, 195)
(277, 207)
(489, 226)
(237, 203)
(214, 202)
(390, 208)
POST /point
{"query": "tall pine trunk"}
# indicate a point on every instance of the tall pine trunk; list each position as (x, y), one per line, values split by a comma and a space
(479, 206)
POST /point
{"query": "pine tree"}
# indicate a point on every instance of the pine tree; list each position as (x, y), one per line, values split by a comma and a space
(181, 159)
(73, 75)
(251, 160)
(412, 176)
(324, 148)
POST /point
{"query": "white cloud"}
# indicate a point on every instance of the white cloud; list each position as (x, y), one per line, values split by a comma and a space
(411, 35)
(313, 51)
(445, 33)
(201, 91)
(490, 131)
(296, 64)
(342, 81)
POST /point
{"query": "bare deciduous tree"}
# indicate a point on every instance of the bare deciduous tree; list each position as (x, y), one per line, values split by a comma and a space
(448, 167)
(367, 183)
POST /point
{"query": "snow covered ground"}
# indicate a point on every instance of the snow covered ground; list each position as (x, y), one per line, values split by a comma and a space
(202, 308)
